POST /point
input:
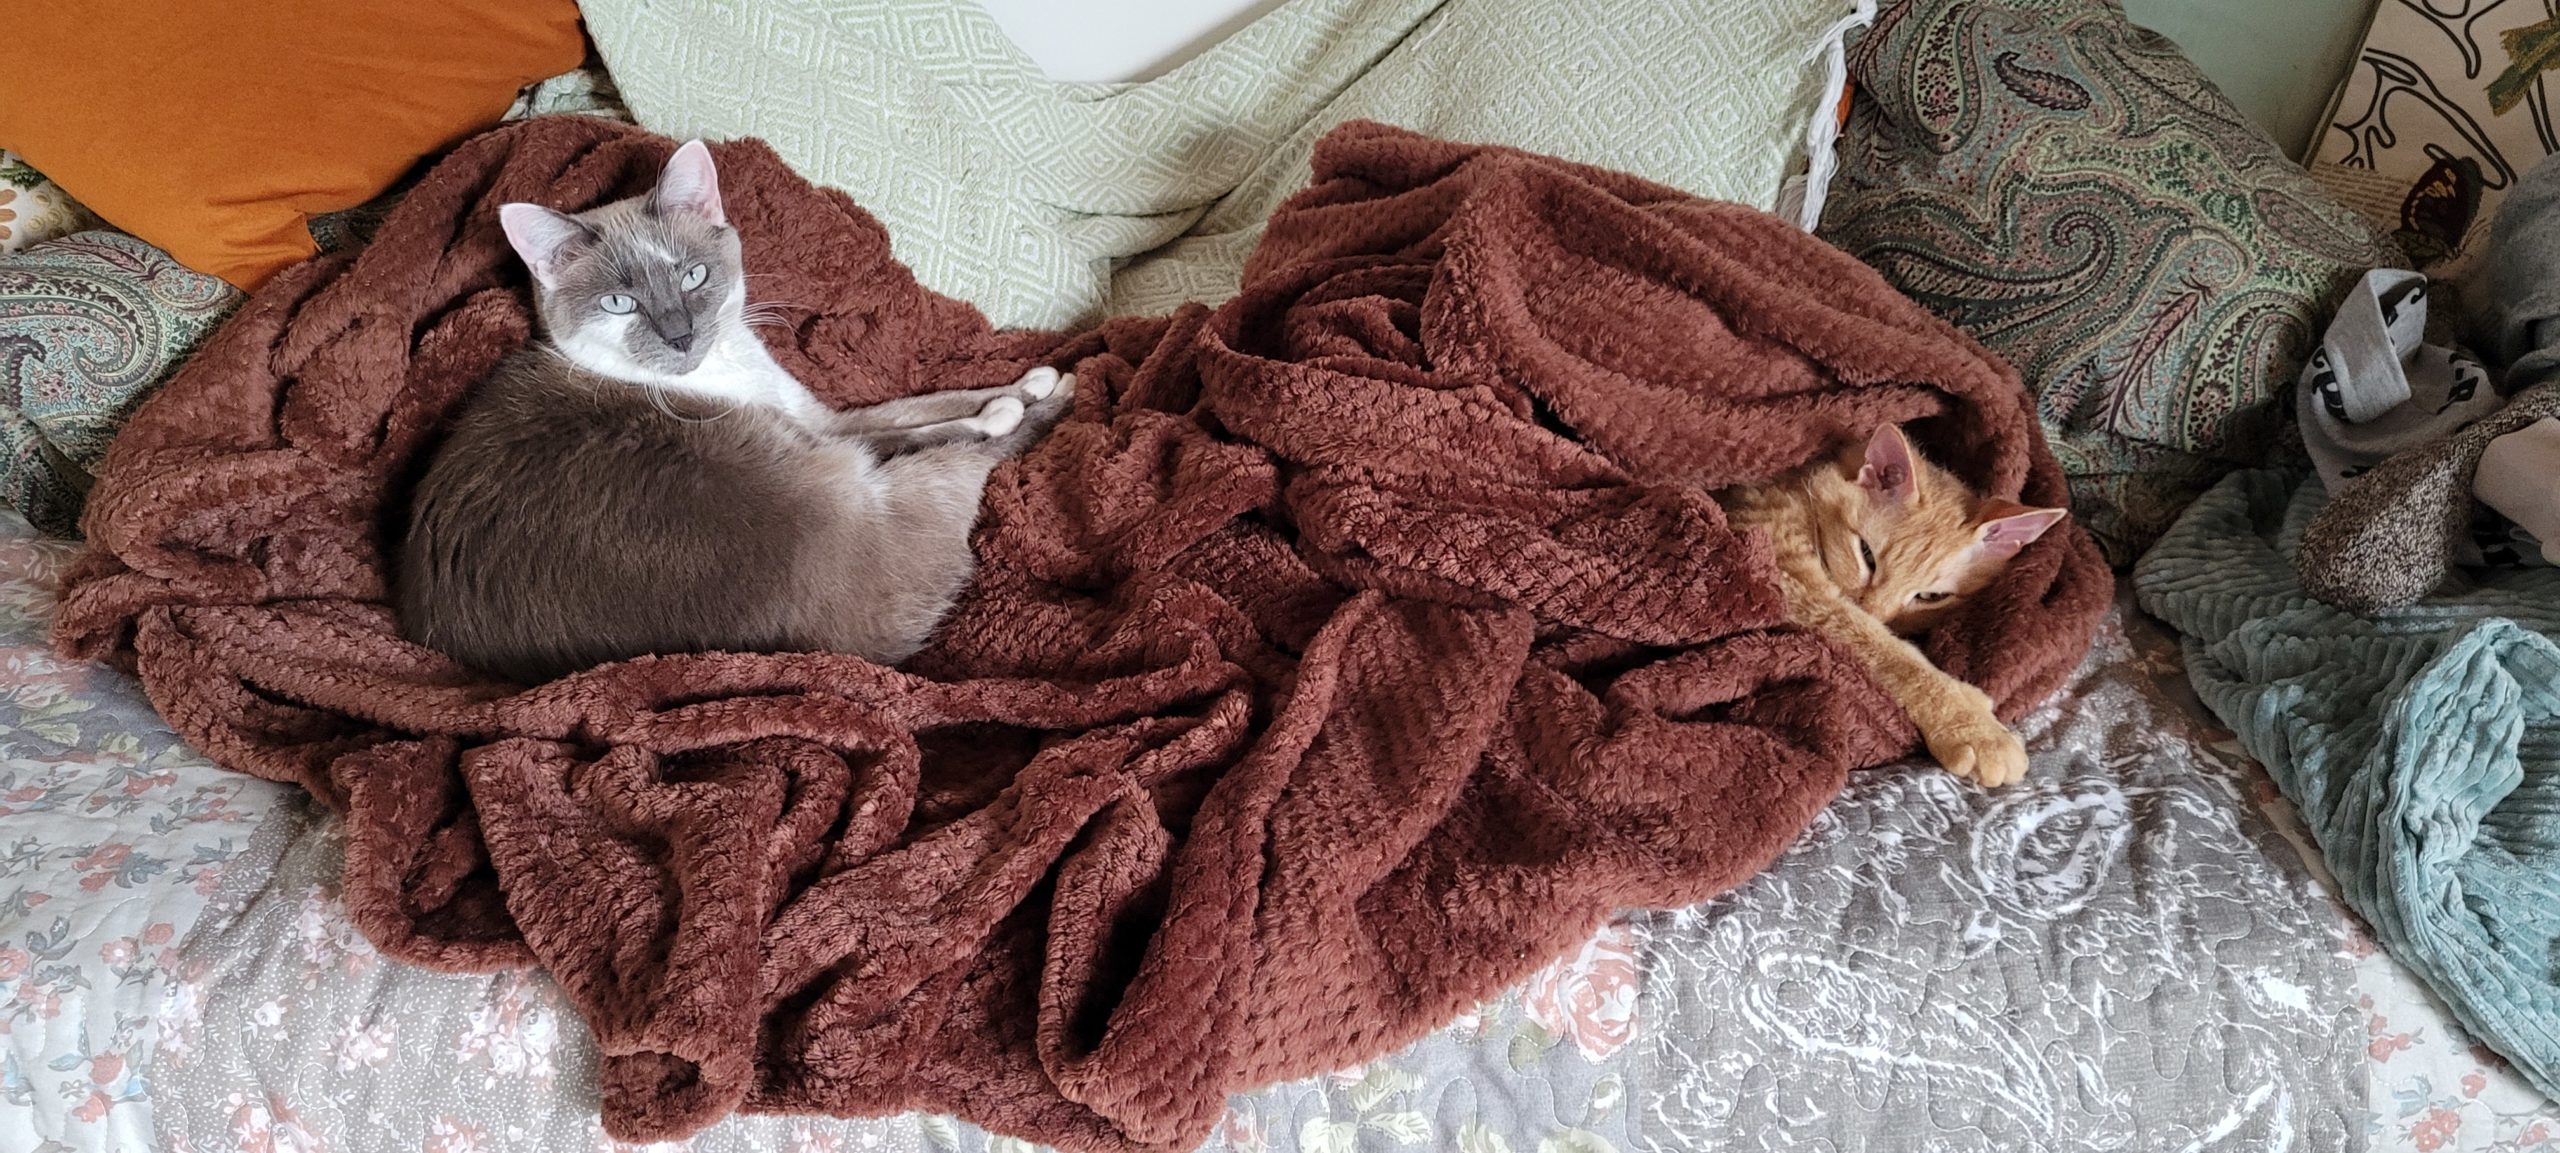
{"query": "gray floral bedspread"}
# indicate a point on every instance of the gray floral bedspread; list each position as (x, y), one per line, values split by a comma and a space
(2120, 954)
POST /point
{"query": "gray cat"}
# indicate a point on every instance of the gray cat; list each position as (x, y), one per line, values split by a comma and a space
(647, 480)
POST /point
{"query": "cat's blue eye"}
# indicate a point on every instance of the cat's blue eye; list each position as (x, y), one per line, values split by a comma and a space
(694, 276)
(618, 304)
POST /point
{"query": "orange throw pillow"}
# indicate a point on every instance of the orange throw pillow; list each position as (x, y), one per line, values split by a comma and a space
(215, 129)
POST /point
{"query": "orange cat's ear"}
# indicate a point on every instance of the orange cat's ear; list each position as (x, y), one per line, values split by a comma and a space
(2008, 526)
(1889, 472)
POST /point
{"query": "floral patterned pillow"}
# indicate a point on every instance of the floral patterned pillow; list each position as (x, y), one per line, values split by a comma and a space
(34, 209)
(2069, 189)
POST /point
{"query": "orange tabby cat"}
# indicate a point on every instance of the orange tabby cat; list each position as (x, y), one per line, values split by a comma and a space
(1878, 545)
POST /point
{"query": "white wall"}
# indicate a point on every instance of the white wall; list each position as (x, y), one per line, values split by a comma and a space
(2279, 60)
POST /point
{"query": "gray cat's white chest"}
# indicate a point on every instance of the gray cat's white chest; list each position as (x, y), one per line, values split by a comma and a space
(739, 371)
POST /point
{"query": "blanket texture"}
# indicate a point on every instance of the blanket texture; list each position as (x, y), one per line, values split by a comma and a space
(1353, 648)
(2421, 745)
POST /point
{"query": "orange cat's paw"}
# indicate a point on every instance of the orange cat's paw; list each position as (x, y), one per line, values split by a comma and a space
(1980, 749)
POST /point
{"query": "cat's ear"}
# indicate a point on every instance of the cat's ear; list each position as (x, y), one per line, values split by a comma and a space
(1889, 471)
(2008, 526)
(544, 238)
(689, 186)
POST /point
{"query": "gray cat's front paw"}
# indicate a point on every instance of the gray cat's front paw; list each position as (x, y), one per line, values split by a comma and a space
(1022, 412)
(1041, 383)
(997, 417)
(1050, 394)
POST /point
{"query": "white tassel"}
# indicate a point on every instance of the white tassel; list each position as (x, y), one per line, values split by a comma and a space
(1803, 198)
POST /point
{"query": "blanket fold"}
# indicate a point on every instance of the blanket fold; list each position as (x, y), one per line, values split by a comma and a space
(1357, 644)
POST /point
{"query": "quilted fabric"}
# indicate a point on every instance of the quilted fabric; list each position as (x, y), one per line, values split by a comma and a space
(2422, 746)
(2069, 189)
(178, 969)
(1024, 197)
(2117, 946)
(89, 323)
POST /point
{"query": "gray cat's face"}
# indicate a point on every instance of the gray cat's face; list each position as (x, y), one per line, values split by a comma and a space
(640, 288)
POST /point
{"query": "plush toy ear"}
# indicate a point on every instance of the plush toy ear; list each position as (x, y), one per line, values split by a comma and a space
(1889, 472)
(542, 237)
(2008, 526)
(689, 186)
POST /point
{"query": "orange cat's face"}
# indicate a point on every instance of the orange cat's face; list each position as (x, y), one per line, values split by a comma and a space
(1907, 541)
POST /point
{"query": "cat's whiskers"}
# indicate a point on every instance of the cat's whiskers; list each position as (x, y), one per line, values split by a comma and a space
(768, 314)
(766, 311)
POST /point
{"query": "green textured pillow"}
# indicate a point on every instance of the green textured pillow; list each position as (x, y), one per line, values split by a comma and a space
(1049, 204)
(89, 324)
(2072, 191)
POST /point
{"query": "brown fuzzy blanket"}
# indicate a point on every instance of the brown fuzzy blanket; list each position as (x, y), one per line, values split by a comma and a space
(1355, 647)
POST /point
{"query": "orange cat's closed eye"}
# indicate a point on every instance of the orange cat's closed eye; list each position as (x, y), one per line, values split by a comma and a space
(1878, 541)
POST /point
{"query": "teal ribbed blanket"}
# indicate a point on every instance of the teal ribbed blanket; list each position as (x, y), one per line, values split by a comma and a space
(2421, 746)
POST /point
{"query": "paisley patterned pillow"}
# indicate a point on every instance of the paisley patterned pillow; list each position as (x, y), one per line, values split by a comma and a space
(89, 323)
(2070, 189)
